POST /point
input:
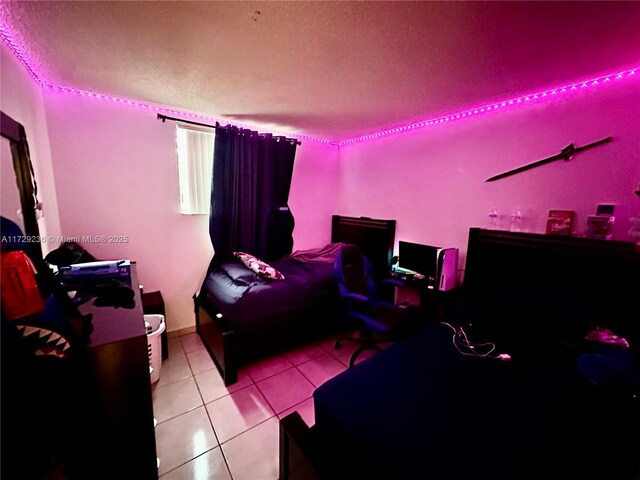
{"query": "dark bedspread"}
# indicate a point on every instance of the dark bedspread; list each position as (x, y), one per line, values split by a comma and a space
(421, 410)
(250, 302)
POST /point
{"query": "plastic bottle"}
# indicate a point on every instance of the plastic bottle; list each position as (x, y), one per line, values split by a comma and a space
(493, 219)
(516, 221)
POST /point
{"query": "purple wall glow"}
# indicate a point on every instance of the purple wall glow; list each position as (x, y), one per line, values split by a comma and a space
(552, 93)
(19, 49)
(432, 181)
(117, 175)
(314, 194)
(605, 80)
(22, 100)
(11, 40)
(116, 171)
(528, 99)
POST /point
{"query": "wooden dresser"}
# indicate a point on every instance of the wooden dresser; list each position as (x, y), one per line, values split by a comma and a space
(119, 423)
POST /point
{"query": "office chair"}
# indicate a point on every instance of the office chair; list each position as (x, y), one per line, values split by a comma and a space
(379, 320)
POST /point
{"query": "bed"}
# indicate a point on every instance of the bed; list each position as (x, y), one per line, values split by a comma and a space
(420, 409)
(242, 316)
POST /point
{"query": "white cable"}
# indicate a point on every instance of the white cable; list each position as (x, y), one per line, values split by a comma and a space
(461, 341)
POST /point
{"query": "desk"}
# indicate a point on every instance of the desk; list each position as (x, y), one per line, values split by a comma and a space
(120, 437)
(433, 303)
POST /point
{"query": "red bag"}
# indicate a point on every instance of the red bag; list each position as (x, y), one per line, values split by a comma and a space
(19, 290)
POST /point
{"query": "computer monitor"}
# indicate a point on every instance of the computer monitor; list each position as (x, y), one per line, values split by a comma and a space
(418, 258)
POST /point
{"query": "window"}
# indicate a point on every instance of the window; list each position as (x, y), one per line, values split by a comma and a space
(195, 169)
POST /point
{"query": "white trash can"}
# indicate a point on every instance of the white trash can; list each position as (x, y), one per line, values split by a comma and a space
(154, 325)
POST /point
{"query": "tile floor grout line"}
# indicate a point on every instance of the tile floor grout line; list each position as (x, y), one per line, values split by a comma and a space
(172, 383)
(229, 394)
(192, 459)
(200, 393)
(249, 429)
(247, 367)
(204, 405)
(296, 405)
(218, 440)
(180, 379)
(180, 414)
(307, 378)
(189, 363)
(346, 364)
(273, 375)
(231, 438)
(323, 352)
(275, 414)
(265, 397)
(223, 396)
(175, 381)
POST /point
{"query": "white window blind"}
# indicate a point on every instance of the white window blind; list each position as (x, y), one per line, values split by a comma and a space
(195, 169)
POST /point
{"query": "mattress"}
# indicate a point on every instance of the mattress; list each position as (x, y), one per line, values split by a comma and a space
(420, 409)
(250, 302)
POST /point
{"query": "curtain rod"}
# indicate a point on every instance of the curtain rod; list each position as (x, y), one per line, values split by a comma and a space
(166, 117)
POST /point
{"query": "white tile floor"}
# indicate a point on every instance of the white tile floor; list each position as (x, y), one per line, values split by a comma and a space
(208, 431)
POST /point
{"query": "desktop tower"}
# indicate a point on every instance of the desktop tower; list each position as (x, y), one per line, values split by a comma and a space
(447, 269)
(437, 266)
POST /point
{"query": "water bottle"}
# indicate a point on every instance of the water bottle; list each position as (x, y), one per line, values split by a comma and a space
(516, 221)
(493, 219)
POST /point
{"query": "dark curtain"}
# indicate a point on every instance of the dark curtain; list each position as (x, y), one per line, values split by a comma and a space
(250, 190)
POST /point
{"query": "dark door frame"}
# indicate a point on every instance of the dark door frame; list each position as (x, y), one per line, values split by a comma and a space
(25, 179)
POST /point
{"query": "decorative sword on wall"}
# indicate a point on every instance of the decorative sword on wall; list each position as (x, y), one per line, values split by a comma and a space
(565, 154)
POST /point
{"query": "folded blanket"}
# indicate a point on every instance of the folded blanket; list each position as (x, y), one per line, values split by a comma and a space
(326, 254)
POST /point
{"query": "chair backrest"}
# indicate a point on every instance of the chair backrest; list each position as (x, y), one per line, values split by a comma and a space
(354, 272)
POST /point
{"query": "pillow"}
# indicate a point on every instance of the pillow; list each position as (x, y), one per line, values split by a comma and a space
(261, 268)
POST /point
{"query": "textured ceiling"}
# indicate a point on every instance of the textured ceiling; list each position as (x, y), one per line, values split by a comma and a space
(328, 69)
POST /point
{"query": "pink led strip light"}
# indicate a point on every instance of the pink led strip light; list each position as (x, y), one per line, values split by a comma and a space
(490, 107)
(164, 110)
(14, 46)
(9, 39)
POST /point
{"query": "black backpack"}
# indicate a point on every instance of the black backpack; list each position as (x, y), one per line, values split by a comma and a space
(67, 254)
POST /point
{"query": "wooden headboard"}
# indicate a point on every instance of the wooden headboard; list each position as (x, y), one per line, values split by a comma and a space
(523, 287)
(374, 237)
